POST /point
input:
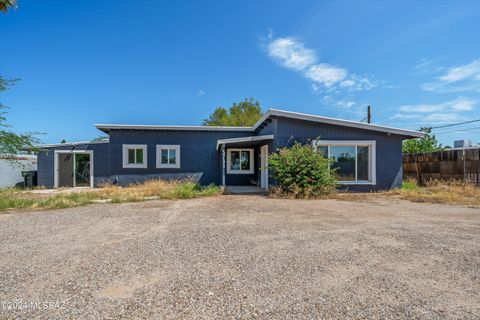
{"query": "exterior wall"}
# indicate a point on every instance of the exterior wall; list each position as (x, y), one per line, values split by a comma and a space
(101, 163)
(244, 179)
(269, 128)
(388, 147)
(198, 154)
(200, 159)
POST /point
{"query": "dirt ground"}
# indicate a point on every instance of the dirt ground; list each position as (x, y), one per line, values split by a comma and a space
(242, 257)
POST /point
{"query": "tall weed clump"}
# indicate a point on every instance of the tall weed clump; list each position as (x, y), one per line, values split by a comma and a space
(301, 172)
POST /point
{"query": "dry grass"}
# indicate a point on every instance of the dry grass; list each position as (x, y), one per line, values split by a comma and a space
(437, 191)
(434, 191)
(156, 189)
(159, 189)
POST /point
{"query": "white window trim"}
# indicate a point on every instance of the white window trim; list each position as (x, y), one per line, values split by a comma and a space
(229, 157)
(127, 165)
(372, 169)
(161, 165)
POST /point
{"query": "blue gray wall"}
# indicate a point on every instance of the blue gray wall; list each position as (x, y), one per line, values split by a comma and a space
(101, 162)
(388, 147)
(200, 158)
(198, 154)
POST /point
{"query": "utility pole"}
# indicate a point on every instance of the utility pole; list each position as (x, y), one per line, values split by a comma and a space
(369, 115)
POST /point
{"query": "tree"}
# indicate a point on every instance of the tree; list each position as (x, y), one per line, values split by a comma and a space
(100, 138)
(7, 4)
(428, 143)
(12, 143)
(242, 114)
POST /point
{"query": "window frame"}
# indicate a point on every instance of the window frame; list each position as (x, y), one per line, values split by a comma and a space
(168, 147)
(251, 170)
(126, 147)
(372, 168)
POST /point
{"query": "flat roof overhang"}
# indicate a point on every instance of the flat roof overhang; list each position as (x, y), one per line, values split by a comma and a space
(108, 127)
(244, 141)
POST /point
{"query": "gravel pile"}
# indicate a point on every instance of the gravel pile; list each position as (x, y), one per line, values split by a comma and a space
(242, 257)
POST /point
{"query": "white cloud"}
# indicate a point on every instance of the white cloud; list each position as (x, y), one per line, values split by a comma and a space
(201, 93)
(446, 112)
(326, 74)
(292, 54)
(433, 118)
(457, 79)
(346, 104)
(460, 73)
(459, 104)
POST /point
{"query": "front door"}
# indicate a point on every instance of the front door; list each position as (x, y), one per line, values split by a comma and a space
(264, 166)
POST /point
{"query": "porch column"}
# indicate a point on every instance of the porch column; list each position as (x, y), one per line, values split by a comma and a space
(223, 165)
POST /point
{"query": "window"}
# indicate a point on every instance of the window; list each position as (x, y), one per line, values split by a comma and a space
(134, 156)
(354, 161)
(168, 156)
(240, 161)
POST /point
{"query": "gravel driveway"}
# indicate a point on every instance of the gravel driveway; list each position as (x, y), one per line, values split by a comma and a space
(242, 257)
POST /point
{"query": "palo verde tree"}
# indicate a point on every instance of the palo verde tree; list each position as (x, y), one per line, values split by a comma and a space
(242, 114)
(429, 143)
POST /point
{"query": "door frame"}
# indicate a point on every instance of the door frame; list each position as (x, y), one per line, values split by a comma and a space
(73, 152)
(264, 166)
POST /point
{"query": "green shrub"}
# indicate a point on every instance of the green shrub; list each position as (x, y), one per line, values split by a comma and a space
(301, 172)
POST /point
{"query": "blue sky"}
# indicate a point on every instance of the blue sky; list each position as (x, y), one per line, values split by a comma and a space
(154, 62)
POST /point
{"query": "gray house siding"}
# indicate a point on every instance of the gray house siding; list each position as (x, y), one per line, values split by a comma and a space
(388, 147)
(101, 163)
(198, 154)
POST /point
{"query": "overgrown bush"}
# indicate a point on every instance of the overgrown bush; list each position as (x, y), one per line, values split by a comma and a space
(301, 172)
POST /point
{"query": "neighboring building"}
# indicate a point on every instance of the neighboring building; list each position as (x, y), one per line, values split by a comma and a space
(368, 157)
(11, 169)
(462, 143)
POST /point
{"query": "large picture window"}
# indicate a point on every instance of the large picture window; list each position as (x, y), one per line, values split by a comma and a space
(240, 161)
(354, 161)
(168, 156)
(134, 156)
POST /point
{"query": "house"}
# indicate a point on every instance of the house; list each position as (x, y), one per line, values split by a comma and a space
(368, 157)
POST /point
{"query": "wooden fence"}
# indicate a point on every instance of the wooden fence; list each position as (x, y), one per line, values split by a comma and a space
(459, 164)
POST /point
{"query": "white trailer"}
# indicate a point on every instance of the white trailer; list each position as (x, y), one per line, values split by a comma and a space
(11, 170)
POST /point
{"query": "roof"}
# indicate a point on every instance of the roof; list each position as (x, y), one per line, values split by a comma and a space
(271, 112)
(339, 122)
(107, 127)
(244, 139)
(70, 144)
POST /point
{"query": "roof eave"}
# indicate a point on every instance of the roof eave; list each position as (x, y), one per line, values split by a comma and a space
(340, 122)
(108, 127)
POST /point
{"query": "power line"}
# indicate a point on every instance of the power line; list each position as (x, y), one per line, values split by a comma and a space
(455, 124)
(456, 130)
